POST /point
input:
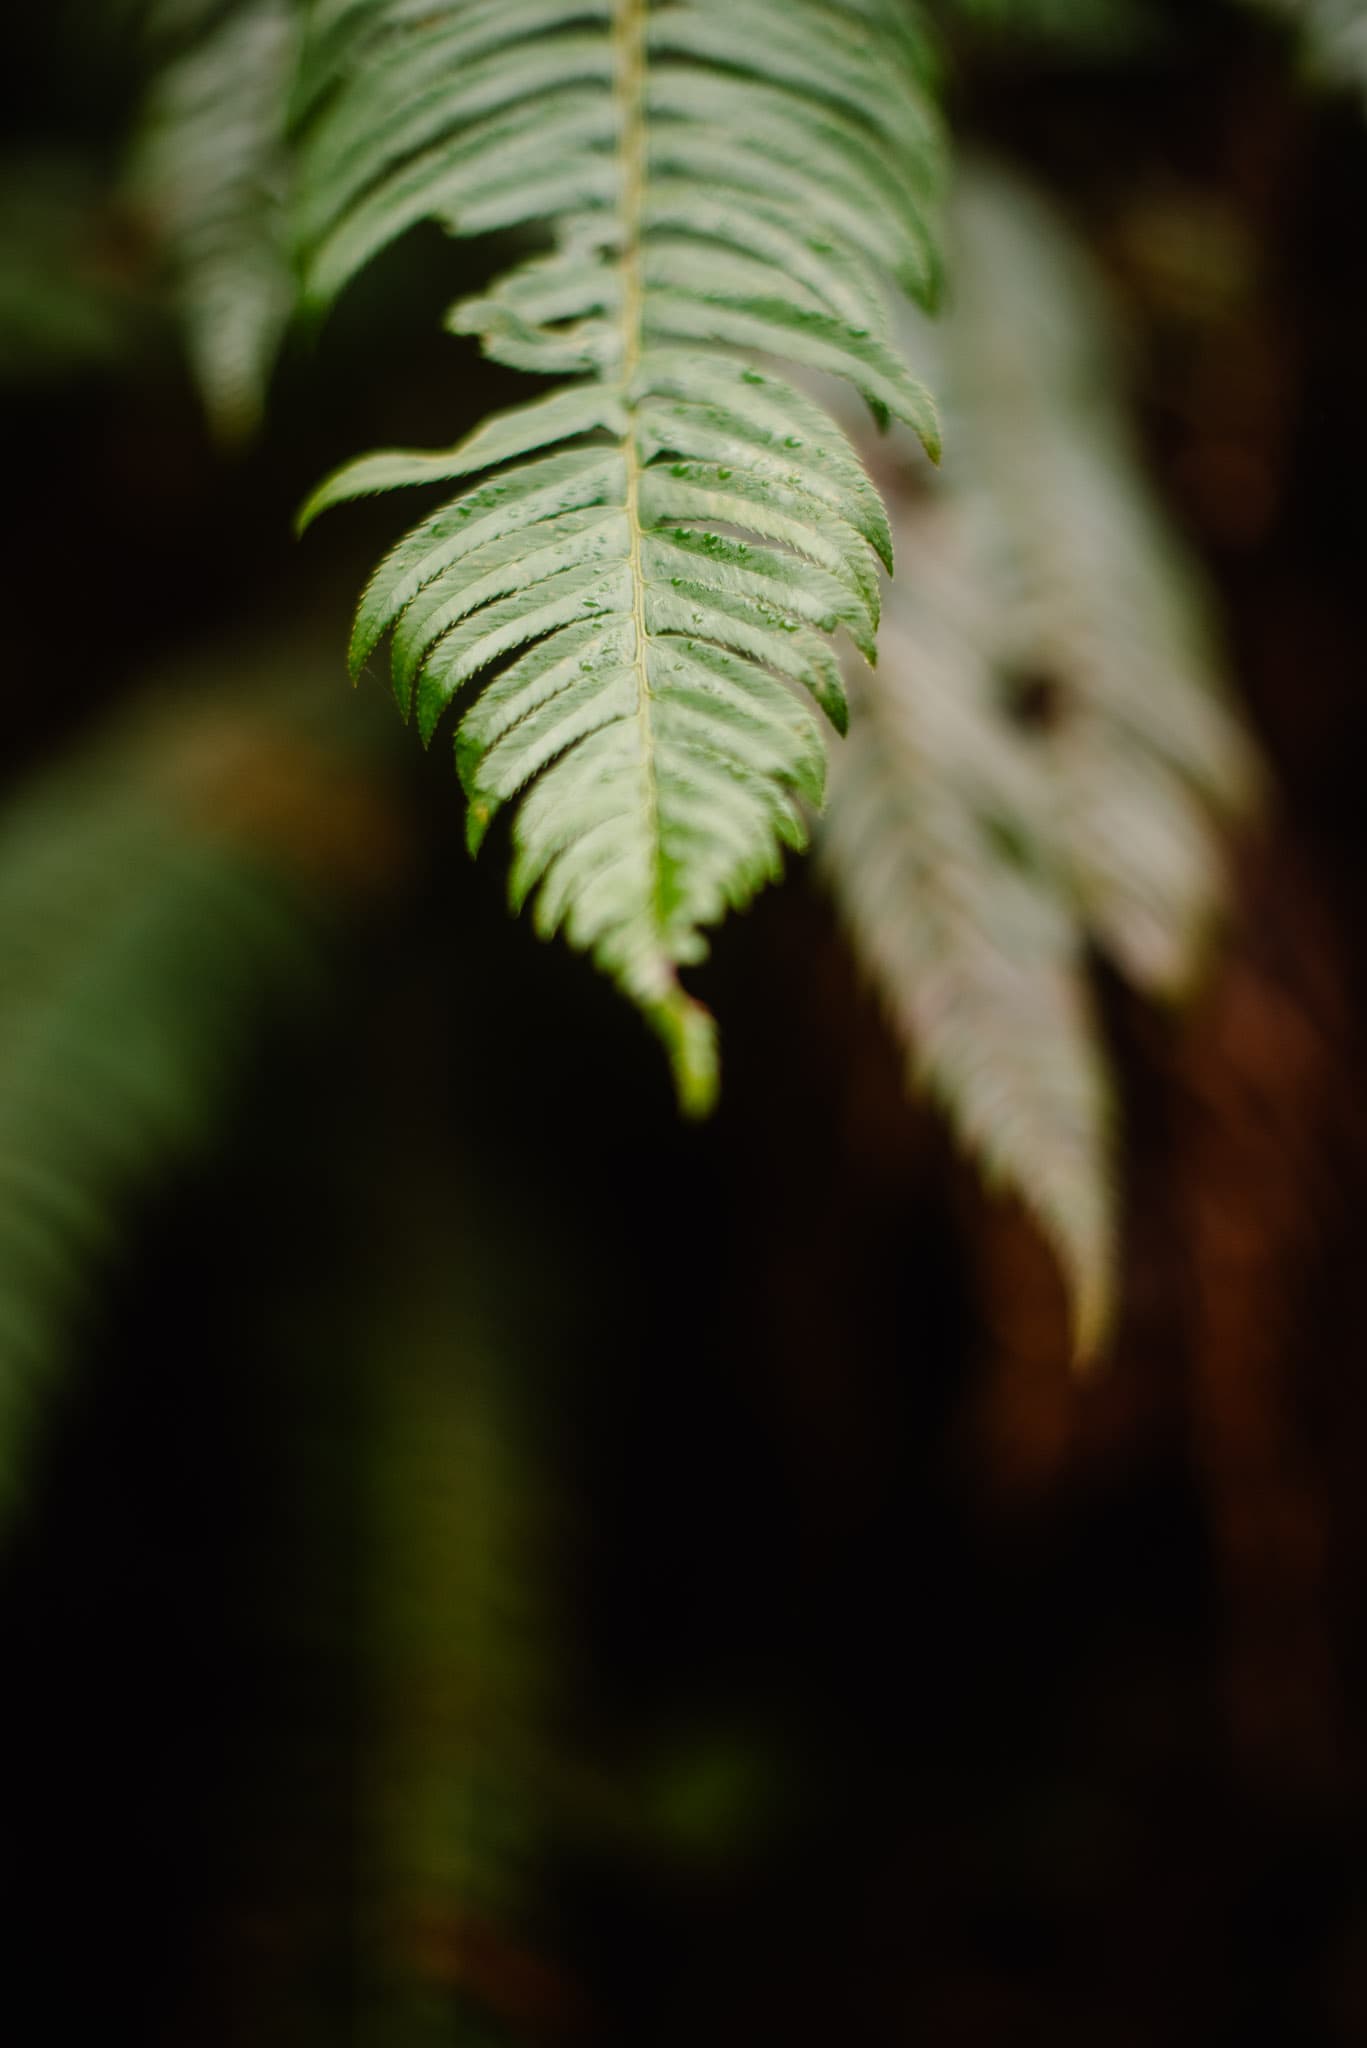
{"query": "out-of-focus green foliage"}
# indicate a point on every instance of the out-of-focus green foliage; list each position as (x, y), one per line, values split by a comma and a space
(1333, 36)
(1049, 754)
(160, 897)
(464, 1657)
(211, 176)
(744, 178)
(67, 303)
(1101, 26)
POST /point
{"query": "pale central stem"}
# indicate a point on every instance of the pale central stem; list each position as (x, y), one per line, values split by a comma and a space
(629, 32)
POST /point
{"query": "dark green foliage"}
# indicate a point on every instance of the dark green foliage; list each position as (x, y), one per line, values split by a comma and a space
(65, 309)
(1102, 26)
(160, 898)
(211, 176)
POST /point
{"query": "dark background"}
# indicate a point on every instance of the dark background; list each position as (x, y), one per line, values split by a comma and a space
(913, 1691)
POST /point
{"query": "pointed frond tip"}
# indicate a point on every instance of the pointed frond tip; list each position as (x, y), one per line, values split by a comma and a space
(689, 1033)
(643, 571)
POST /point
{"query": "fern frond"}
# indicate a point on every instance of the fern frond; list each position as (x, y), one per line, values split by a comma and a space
(211, 171)
(941, 845)
(658, 552)
(1047, 752)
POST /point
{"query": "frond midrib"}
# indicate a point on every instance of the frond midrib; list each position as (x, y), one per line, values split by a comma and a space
(629, 44)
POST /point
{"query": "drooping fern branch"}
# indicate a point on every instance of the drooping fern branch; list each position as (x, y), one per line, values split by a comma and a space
(63, 308)
(1048, 753)
(654, 555)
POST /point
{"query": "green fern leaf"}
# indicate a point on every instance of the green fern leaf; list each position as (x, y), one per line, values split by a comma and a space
(211, 171)
(655, 555)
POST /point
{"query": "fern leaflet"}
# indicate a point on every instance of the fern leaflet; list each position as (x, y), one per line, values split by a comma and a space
(657, 552)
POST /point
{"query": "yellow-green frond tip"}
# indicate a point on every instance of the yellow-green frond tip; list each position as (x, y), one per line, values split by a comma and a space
(689, 1032)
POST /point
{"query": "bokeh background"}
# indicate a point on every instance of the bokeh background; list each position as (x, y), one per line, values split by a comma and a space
(483, 1562)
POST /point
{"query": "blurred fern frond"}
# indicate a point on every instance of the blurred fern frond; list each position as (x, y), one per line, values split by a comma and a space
(1333, 35)
(940, 842)
(1050, 755)
(159, 899)
(661, 548)
(1148, 760)
(211, 172)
